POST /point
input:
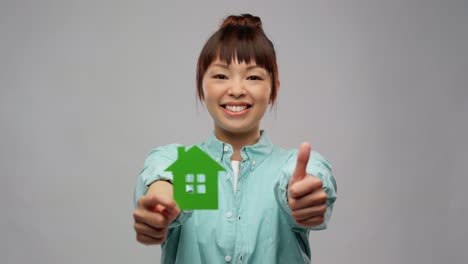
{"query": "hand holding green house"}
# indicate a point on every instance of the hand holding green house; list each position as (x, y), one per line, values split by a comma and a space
(195, 179)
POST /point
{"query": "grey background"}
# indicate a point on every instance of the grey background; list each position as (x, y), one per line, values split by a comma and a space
(89, 87)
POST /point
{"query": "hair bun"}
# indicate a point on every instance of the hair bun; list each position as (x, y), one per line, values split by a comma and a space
(245, 20)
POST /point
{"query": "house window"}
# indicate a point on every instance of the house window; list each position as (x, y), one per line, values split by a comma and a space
(189, 188)
(201, 188)
(201, 178)
(189, 178)
(195, 184)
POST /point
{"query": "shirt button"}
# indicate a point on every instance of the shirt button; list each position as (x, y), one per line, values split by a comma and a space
(229, 214)
(226, 148)
(227, 258)
(253, 162)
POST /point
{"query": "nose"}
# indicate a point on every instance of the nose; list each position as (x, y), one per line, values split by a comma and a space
(237, 89)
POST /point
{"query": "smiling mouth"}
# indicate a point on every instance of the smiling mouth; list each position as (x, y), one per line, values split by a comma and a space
(236, 108)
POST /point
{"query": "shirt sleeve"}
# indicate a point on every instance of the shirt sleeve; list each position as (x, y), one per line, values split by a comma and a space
(153, 170)
(317, 166)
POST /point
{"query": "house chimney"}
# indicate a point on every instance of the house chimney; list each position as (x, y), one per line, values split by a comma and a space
(180, 152)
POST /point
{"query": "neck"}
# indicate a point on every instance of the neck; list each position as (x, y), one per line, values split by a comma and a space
(238, 140)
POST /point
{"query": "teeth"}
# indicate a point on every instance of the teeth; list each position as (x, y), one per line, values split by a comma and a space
(236, 108)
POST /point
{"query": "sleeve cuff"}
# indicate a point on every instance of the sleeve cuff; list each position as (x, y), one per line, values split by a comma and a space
(181, 219)
(155, 163)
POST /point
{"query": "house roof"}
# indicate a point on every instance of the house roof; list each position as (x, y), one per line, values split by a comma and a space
(194, 158)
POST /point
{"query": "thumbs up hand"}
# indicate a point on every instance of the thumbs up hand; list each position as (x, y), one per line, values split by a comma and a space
(306, 197)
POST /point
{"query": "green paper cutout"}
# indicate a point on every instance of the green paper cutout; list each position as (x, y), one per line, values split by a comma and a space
(195, 179)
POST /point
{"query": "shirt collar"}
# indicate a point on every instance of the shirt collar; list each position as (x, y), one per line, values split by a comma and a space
(255, 154)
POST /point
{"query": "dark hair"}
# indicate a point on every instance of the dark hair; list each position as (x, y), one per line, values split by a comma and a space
(240, 37)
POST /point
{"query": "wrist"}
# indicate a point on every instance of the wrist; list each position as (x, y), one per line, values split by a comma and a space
(161, 187)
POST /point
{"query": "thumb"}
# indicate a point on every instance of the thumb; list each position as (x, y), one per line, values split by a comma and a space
(303, 155)
(163, 204)
(157, 201)
(171, 212)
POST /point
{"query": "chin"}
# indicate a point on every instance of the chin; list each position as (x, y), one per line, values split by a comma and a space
(241, 129)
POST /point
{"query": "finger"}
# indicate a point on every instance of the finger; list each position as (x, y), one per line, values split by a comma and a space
(315, 198)
(147, 230)
(309, 212)
(151, 218)
(173, 213)
(159, 208)
(302, 159)
(170, 213)
(308, 185)
(313, 221)
(147, 240)
(149, 201)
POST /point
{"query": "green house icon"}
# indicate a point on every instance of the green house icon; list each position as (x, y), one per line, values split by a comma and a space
(195, 179)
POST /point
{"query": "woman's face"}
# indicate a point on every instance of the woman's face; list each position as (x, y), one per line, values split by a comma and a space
(237, 95)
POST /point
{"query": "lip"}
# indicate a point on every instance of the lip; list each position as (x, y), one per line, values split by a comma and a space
(236, 104)
(236, 114)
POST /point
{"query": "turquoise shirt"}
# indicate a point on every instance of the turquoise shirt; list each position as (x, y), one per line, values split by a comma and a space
(253, 224)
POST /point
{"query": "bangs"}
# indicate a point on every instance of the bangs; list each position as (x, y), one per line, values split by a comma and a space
(243, 44)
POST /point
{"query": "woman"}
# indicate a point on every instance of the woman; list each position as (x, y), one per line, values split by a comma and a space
(269, 198)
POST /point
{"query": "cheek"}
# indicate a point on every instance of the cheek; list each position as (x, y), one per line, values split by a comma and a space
(263, 95)
(211, 95)
(207, 92)
(203, 89)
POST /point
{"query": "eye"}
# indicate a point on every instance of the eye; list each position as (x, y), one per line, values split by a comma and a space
(255, 78)
(220, 76)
